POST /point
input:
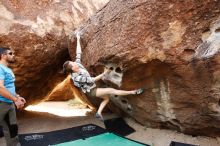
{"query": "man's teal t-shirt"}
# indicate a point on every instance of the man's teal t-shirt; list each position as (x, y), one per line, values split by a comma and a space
(8, 77)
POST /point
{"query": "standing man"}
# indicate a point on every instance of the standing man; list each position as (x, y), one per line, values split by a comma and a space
(8, 98)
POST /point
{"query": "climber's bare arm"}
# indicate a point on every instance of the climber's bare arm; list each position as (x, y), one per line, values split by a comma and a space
(106, 71)
(78, 48)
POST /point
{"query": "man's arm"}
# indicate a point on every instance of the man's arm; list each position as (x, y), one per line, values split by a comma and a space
(5, 93)
(19, 101)
(21, 98)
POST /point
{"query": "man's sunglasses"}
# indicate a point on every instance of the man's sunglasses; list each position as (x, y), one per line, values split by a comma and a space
(10, 53)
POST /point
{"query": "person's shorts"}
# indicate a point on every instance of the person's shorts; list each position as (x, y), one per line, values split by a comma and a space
(92, 92)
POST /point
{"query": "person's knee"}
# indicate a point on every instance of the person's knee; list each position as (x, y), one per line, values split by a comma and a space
(106, 98)
(13, 129)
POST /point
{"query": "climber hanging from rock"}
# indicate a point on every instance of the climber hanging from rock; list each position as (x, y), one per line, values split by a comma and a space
(82, 80)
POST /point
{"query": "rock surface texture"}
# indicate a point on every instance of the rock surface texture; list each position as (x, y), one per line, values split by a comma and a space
(171, 48)
(38, 30)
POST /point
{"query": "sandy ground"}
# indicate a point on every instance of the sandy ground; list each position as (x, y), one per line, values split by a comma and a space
(30, 122)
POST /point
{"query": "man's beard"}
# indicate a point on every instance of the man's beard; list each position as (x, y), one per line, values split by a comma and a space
(11, 61)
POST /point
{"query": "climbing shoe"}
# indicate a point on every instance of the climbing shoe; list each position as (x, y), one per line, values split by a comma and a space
(139, 91)
(98, 116)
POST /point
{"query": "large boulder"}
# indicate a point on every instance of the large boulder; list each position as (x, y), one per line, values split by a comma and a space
(38, 30)
(171, 48)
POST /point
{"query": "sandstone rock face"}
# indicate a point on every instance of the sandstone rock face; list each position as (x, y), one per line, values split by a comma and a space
(38, 30)
(171, 48)
(66, 90)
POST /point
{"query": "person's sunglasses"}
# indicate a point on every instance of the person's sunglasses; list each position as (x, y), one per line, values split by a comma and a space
(10, 53)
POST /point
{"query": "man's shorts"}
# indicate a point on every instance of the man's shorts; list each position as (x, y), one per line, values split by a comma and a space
(92, 92)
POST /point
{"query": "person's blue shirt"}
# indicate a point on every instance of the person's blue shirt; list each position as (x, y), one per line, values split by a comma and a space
(8, 77)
